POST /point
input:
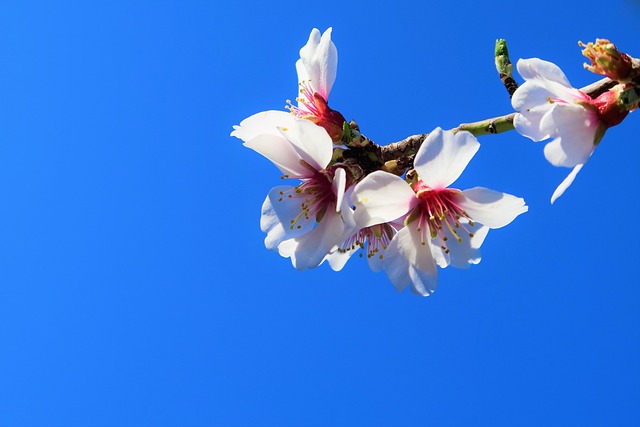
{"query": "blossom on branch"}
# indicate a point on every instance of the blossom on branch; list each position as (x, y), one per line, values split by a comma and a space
(303, 222)
(372, 240)
(443, 226)
(317, 69)
(549, 107)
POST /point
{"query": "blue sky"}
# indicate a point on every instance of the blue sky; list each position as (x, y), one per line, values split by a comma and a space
(134, 285)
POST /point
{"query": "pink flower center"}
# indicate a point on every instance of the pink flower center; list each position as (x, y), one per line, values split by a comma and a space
(575, 96)
(315, 196)
(312, 106)
(308, 104)
(439, 212)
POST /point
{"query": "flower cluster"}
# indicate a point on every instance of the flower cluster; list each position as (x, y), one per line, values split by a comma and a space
(403, 214)
(440, 225)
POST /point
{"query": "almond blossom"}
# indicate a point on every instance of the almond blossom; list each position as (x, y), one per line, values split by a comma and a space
(443, 226)
(372, 240)
(303, 222)
(549, 107)
(317, 69)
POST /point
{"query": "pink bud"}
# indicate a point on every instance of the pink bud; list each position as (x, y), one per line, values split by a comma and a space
(611, 110)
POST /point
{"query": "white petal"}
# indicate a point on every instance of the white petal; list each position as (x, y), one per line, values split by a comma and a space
(338, 259)
(396, 263)
(377, 238)
(281, 153)
(376, 262)
(309, 250)
(566, 183)
(534, 100)
(529, 125)
(311, 141)
(261, 134)
(303, 76)
(440, 256)
(574, 128)
(408, 261)
(533, 68)
(265, 122)
(301, 70)
(443, 156)
(531, 101)
(422, 283)
(459, 254)
(546, 86)
(467, 252)
(531, 96)
(491, 208)
(381, 197)
(339, 184)
(320, 59)
(277, 213)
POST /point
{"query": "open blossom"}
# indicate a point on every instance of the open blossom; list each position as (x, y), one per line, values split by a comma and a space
(371, 240)
(306, 221)
(317, 68)
(443, 226)
(549, 107)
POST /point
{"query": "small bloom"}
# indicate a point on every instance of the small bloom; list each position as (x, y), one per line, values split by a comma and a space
(318, 64)
(317, 68)
(306, 221)
(371, 240)
(373, 234)
(443, 226)
(549, 107)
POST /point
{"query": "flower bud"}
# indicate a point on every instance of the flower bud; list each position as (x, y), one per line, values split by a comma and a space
(611, 108)
(606, 60)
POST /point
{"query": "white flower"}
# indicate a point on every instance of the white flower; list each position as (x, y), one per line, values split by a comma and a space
(373, 240)
(549, 107)
(317, 67)
(302, 222)
(444, 226)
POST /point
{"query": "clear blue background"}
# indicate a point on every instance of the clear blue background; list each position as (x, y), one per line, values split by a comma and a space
(134, 285)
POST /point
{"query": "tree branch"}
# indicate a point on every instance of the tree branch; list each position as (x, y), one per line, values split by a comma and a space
(409, 146)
